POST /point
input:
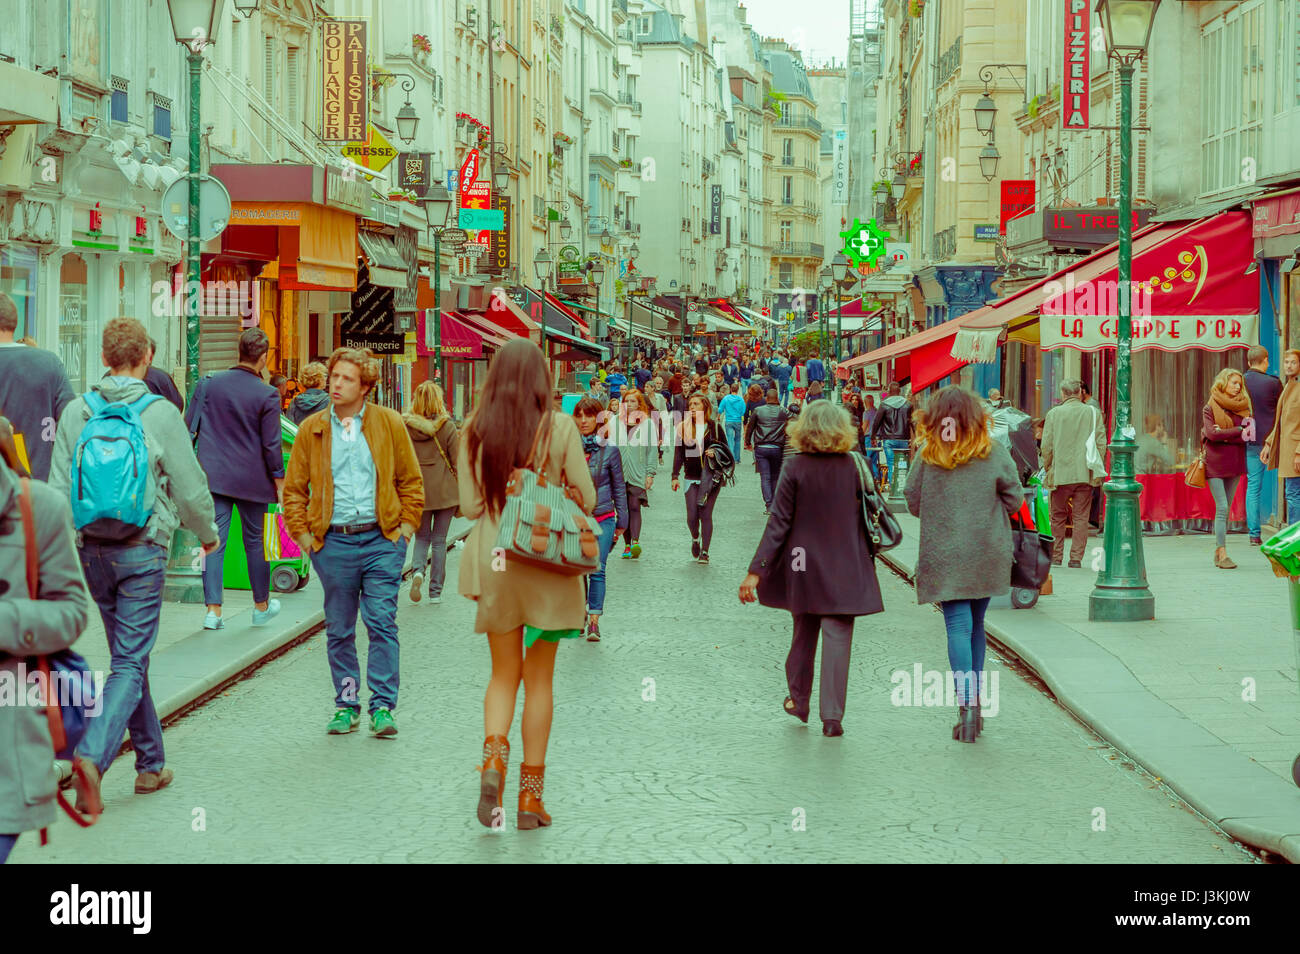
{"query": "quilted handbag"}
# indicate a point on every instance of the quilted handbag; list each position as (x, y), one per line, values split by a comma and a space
(881, 527)
(541, 524)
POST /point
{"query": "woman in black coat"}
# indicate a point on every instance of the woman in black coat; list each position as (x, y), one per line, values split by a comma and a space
(813, 559)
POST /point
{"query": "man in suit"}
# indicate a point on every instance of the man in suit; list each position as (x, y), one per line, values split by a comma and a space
(236, 418)
(34, 390)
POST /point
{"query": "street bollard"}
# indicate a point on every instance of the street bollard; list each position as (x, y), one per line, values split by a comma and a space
(1283, 552)
(896, 502)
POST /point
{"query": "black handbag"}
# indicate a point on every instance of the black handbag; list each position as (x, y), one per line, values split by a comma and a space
(881, 527)
(1031, 557)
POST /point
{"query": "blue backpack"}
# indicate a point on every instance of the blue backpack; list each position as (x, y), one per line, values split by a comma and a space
(112, 495)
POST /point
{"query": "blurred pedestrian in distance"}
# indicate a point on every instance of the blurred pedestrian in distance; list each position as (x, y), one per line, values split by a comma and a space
(525, 610)
(34, 390)
(235, 419)
(766, 433)
(160, 382)
(1073, 449)
(893, 426)
(436, 441)
(313, 397)
(639, 446)
(962, 478)
(1224, 419)
(731, 411)
(995, 399)
(814, 561)
(696, 436)
(605, 465)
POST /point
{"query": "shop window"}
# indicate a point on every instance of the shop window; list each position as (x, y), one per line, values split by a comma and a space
(75, 326)
(18, 281)
(1169, 391)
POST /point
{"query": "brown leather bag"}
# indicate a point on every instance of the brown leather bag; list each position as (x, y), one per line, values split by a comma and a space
(1195, 476)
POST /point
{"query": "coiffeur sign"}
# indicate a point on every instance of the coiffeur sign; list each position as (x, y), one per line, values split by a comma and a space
(1189, 291)
(344, 91)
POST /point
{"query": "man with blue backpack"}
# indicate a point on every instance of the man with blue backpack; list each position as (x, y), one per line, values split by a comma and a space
(123, 457)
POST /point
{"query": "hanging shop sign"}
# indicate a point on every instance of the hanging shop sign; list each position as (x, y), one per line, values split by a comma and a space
(715, 209)
(1090, 332)
(840, 169)
(1087, 228)
(1017, 197)
(345, 92)
(501, 238)
(1077, 73)
(453, 237)
(864, 244)
(567, 262)
(468, 174)
(380, 342)
(375, 153)
(415, 172)
(404, 299)
(372, 308)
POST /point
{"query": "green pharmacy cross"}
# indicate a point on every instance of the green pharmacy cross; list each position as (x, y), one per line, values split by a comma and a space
(864, 244)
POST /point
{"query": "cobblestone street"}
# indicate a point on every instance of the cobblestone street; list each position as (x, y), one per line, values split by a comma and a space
(707, 770)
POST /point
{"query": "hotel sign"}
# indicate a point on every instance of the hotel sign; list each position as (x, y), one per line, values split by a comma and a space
(345, 91)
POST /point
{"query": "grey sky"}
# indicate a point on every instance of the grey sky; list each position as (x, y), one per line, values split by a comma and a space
(819, 28)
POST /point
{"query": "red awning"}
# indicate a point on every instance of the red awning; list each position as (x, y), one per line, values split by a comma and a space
(459, 340)
(1277, 215)
(493, 332)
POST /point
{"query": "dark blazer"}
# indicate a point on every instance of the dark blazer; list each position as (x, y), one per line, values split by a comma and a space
(606, 468)
(237, 418)
(813, 557)
(161, 383)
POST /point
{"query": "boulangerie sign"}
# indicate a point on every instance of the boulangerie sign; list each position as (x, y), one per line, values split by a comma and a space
(1075, 93)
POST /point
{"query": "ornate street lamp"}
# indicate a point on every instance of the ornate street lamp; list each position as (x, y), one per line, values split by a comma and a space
(566, 229)
(501, 176)
(542, 264)
(437, 209)
(1122, 593)
(985, 111)
(989, 157)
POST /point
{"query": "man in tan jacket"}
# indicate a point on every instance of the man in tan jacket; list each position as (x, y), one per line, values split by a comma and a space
(1073, 433)
(352, 499)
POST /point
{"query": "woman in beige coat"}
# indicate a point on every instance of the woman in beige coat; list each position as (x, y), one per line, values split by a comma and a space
(433, 434)
(520, 607)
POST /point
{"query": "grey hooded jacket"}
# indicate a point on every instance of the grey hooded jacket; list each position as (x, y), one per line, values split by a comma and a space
(180, 488)
(51, 622)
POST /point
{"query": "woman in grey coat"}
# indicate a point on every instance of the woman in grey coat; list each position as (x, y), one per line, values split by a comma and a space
(963, 485)
(638, 443)
(48, 624)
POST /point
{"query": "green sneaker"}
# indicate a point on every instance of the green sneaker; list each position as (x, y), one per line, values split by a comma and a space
(344, 721)
(382, 725)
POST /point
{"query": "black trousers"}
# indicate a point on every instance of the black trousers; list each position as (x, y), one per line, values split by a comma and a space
(699, 513)
(633, 529)
(837, 633)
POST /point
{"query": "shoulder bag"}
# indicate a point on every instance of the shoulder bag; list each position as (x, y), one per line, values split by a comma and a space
(67, 721)
(881, 527)
(541, 523)
(1195, 476)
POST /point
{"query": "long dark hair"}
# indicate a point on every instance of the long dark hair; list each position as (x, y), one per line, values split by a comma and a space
(500, 430)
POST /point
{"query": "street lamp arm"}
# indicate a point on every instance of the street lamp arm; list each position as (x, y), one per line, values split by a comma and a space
(986, 74)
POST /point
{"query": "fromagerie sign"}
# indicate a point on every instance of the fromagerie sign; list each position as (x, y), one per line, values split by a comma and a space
(1092, 332)
(345, 98)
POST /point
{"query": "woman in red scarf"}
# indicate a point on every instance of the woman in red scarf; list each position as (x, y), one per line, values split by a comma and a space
(1223, 419)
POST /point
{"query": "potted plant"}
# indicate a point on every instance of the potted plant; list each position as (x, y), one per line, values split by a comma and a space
(914, 167)
(915, 7)
(421, 44)
(1033, 108)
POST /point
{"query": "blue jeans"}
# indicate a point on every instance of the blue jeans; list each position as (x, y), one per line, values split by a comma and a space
(126, 582)
(431, 535)
(1292, 490)
(964, 620)
(596, 581)
(6, 846)
(768, 459)
(251, 517)
(733, 429)
(1255, 471)
(361, 571)
(890, 447)
(783, 392)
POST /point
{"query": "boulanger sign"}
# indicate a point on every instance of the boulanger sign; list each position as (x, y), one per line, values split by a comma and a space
(345, 98)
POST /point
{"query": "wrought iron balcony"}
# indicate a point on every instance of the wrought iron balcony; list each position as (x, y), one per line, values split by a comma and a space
(799, 250)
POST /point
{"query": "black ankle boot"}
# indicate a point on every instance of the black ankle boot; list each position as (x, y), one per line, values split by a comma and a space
(965, 730)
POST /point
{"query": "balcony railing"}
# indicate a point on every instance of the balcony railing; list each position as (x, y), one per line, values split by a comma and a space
(799, 250)
(945, 244)
(787, 160)
(625, 99)
(799, 122)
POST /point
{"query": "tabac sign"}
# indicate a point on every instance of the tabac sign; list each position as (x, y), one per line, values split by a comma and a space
(345, 93)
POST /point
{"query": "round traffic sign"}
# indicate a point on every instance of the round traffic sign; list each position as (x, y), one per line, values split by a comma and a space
(214, 208)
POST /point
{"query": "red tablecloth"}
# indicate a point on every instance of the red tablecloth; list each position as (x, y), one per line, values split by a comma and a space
(1167, 497)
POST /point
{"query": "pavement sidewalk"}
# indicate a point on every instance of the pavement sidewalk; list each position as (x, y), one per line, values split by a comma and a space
(1205, 696)
(188, 662)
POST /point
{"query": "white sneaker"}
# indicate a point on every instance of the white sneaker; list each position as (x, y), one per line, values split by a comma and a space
(213, 621)
(435, 599)
(417, 581)
(262, 617)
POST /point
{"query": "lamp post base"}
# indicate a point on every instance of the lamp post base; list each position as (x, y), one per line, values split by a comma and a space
(183, 582)
(1108, 604)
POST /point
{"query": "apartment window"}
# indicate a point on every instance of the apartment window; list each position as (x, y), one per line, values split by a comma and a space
(787, 152)
(236, 48)
(787, 190)
(162, 118)
(643, 25)
(1287, 93)
(787, 230)
(1232, 108)
(291, 86)
(785, 275)
(117, 109)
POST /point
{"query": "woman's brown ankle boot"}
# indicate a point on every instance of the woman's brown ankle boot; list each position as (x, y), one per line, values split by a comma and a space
(532, 814)
(496, 752)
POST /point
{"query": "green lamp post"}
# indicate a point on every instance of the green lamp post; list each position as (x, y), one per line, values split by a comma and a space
(1122, 593)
